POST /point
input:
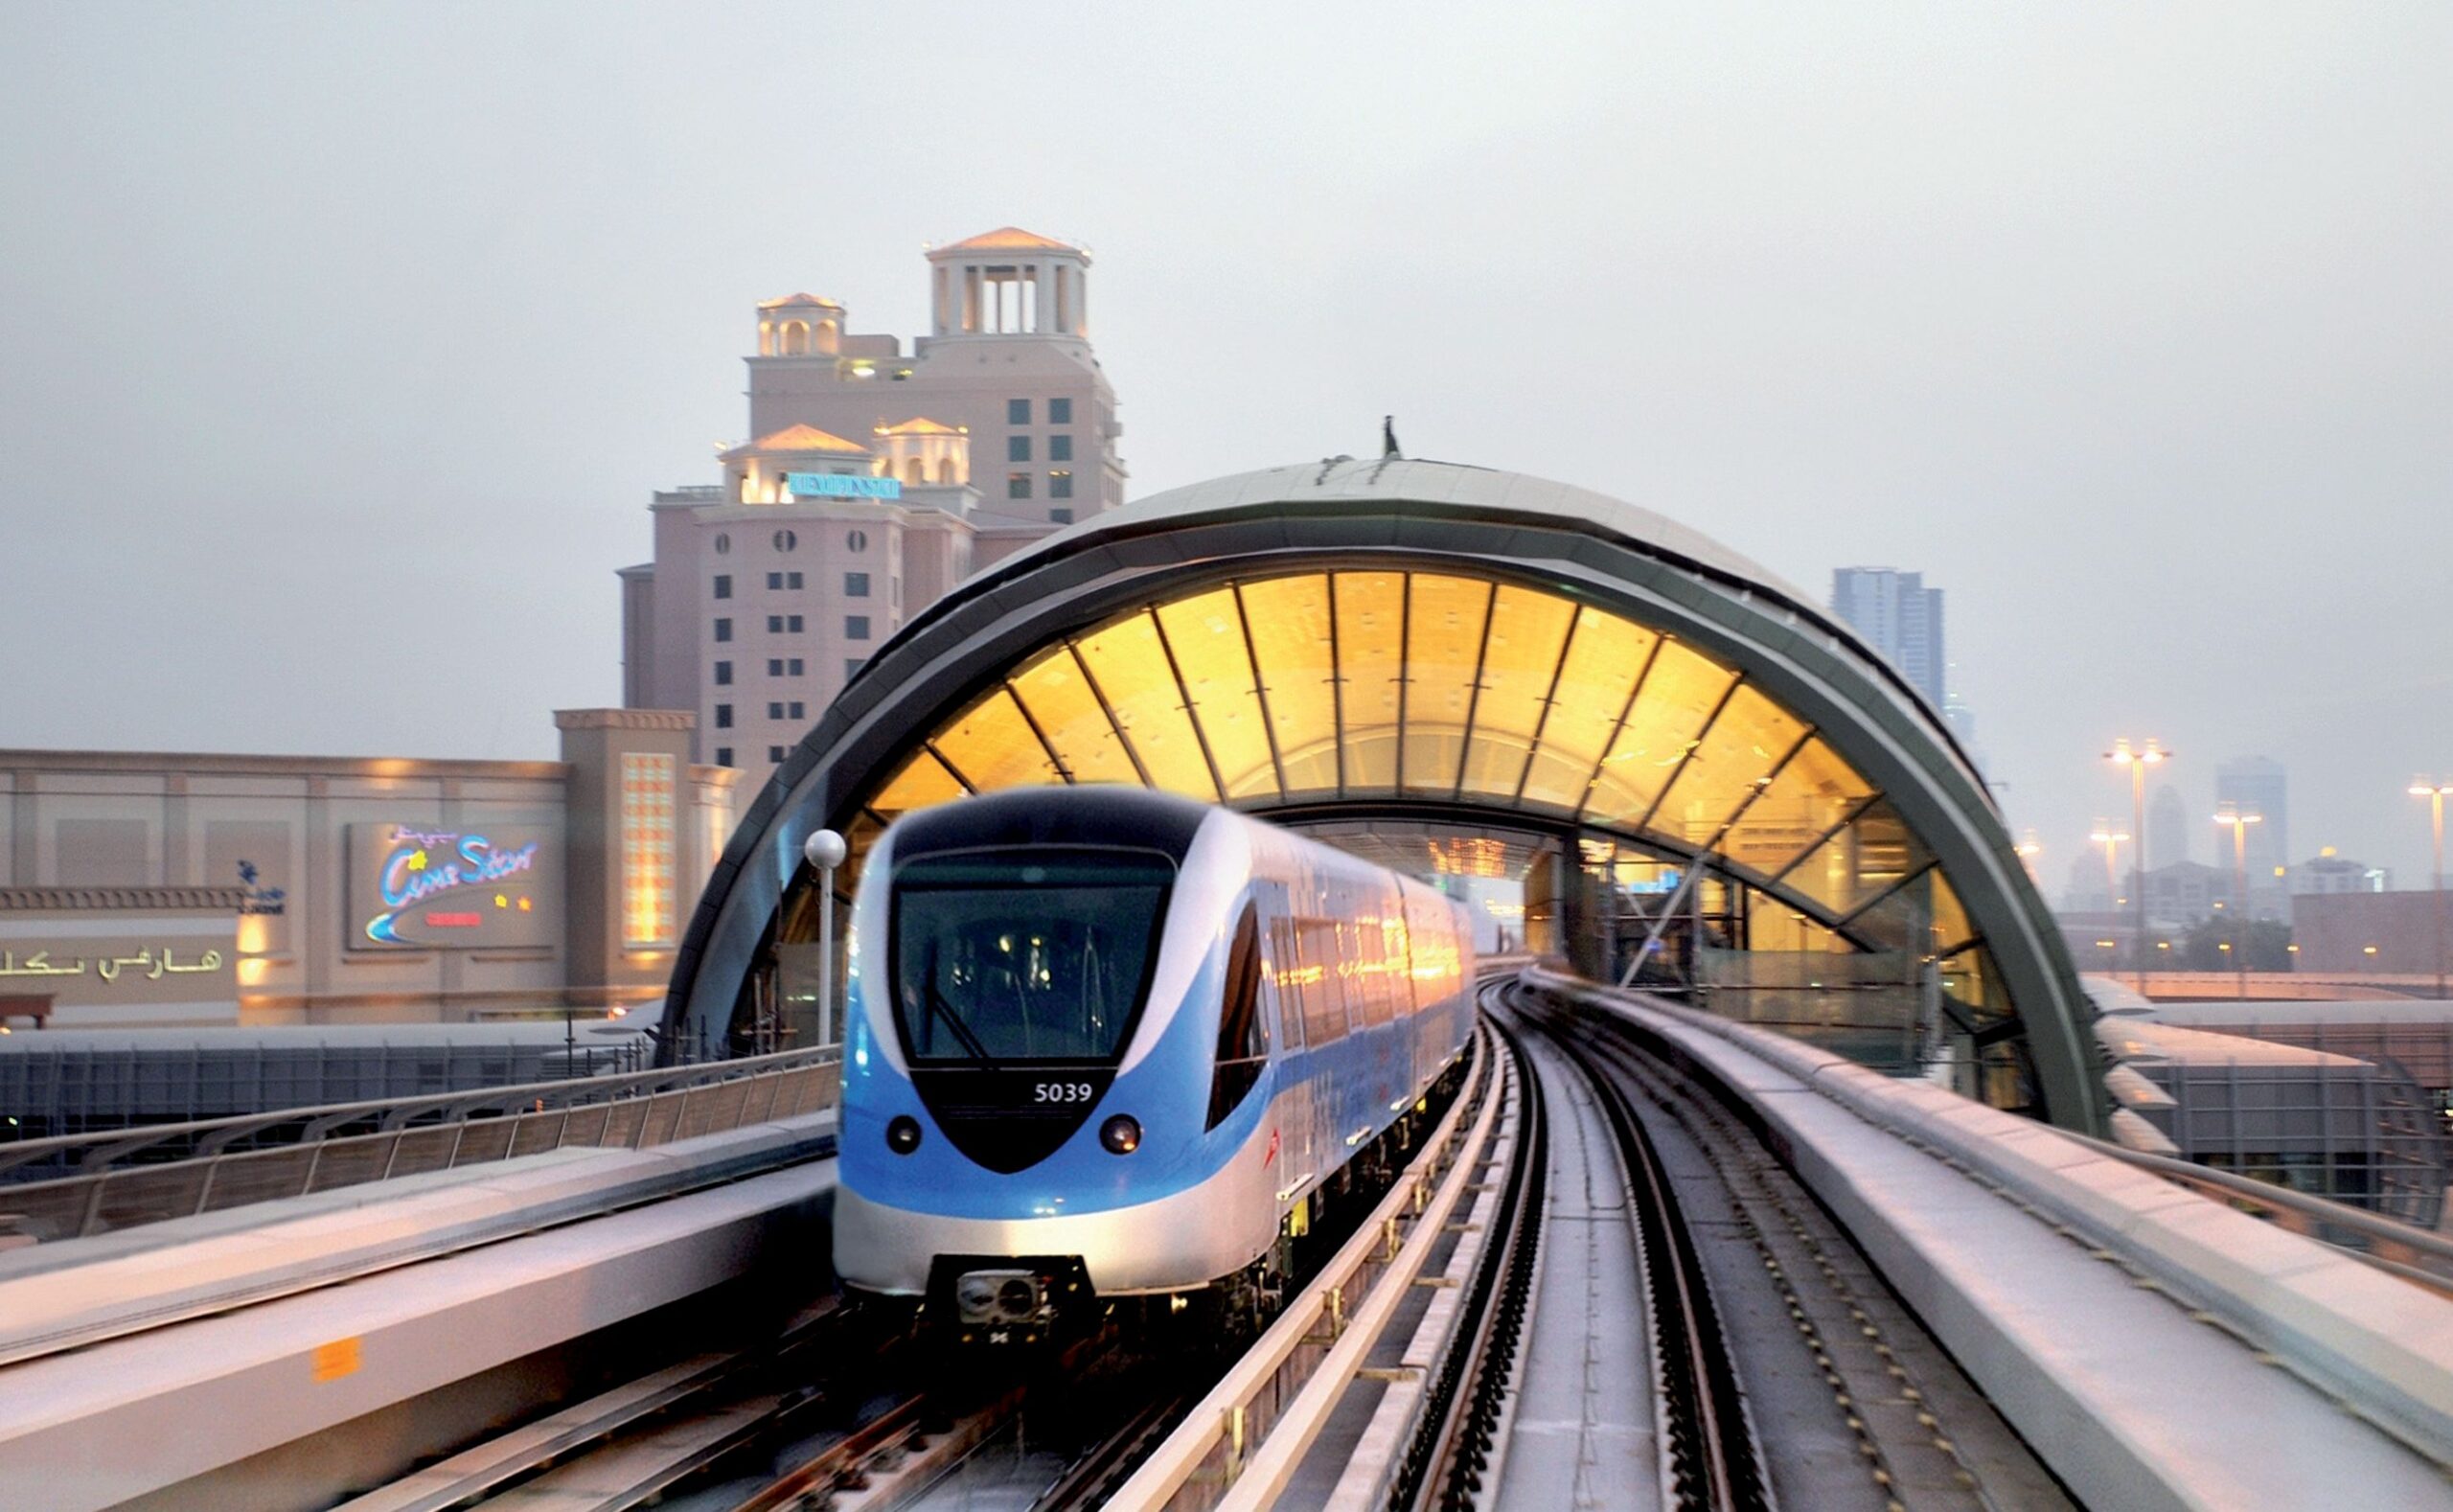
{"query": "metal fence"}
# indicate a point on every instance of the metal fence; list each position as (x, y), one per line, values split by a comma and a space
(80, 1184)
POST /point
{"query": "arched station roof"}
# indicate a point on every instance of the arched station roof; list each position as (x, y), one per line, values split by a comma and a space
(1409, 641)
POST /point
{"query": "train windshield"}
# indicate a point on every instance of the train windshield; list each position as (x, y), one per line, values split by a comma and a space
(1024, 956)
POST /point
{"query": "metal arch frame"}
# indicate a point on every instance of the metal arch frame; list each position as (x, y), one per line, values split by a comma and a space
(970, 640)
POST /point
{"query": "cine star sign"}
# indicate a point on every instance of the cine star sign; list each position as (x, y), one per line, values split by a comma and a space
(841, 486)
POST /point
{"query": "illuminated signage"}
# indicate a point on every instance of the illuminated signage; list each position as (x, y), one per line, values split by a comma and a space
(436, 888)
(841, 486)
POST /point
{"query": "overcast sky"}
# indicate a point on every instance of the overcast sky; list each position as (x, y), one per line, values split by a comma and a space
(340, 347)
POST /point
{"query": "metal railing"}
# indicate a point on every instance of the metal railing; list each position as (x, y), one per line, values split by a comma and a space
(2414, 1254)
(127, 1177)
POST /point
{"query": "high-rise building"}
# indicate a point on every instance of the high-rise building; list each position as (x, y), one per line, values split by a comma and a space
(1901, 617)
(874, 481)
(2170, 835)
(2259, 786)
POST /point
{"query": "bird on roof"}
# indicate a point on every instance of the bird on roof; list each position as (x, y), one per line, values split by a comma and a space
(1388, 439)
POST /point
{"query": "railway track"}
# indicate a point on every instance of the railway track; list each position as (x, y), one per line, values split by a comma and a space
(1866, 1409)
(1712, 1461)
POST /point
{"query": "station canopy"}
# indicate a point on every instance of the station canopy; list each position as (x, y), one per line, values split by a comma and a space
(1472, 674)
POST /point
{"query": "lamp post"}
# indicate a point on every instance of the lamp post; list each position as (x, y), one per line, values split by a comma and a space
(2138, 759)
(825, 850)
(2112, 840)
(2239, 823)
(2434, 789)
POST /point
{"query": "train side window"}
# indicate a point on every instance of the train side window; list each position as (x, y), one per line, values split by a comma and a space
(1276, 999)
(1242, 1037)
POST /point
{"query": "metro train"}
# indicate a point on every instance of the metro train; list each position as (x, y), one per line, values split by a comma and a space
(1109, 1050)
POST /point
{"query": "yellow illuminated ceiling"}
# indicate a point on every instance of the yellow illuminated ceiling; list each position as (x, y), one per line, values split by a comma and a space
(1407, 686)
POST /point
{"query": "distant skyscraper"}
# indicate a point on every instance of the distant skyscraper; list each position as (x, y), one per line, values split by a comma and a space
(2169, 834)
(2256, 785)
(1901, 617)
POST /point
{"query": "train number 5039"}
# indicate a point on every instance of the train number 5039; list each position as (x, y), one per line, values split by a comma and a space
(1061, 1092)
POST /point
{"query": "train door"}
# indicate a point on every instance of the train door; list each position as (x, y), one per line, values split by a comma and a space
(1293, 1116)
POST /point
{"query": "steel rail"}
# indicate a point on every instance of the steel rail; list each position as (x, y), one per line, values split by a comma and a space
(1713, 1461)
(1455, 1434)
(1238, 1446)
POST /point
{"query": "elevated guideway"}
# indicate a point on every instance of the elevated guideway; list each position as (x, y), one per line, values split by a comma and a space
(1648, 1251)
(273, 1354)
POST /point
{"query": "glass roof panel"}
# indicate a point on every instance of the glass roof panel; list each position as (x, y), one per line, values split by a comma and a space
(1813, 792)
(1206, 634)
(1131, 670)
(1289, 618)
(1679, 693)
(1370, 660)
(1951, 928)
(923, 781)
(991, 744)
(1445, 618)
(1602, 665)
(1875, 851)
(1059, 699)
(1737, 756)
(1529, 630)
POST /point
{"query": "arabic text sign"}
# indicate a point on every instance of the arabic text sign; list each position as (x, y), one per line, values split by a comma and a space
(444, 887)
(134, 967)
(841, 486)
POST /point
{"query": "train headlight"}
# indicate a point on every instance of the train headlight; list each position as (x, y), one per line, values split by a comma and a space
(903, 1135)
(1121, 1134)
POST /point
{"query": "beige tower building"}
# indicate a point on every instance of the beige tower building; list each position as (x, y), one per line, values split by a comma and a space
(874, 480)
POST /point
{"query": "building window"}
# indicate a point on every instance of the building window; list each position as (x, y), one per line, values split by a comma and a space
(774, 623)
(724, 630)
(1060, 449)
(856, 627)
(1062, 517)
(775, 709)
(775, 754)
(791, 580)
(723, 755)
(724, 716)
(793, 668)
(723, 585)
(1060, 412)
(724, 675)
(1018, 449)
(792, 623)
(774, 580)
(857, 540)
(856, 584)
(648, 838)
(1017, 485)
(1060, 484)
(852, 668)
(797, 709)
(1018, 412)
(786, 541)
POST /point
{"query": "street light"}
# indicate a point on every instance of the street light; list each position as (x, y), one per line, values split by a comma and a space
(2138, 759)
(825, 850)
(2112, 840)
(2028, 849)
(2434, 789)
(2239, 823)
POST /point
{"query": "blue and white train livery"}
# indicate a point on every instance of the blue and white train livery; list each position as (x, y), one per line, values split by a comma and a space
(1102, 1044)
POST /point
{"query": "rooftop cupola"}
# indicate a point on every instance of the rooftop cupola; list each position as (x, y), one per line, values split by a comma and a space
(1009, 282)
(800, 326)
